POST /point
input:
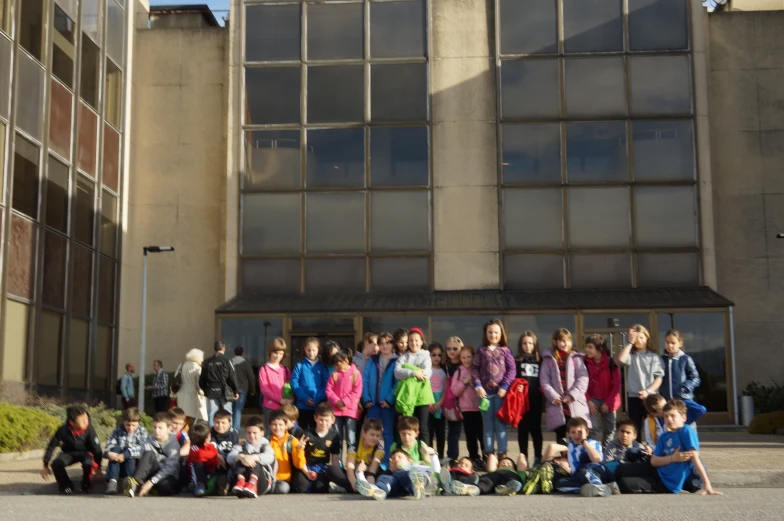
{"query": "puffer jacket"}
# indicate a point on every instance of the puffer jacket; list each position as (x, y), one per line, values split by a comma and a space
(309, 381)
(377, 388)
(576, 387)
(680, 377)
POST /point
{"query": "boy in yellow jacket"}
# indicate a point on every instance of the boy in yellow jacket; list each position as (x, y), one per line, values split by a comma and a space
(291, 471)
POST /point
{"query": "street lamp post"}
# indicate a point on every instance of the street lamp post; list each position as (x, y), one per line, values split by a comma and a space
(147, 249)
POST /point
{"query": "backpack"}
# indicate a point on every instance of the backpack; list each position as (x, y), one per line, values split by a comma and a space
(118, 386)
(177, 383)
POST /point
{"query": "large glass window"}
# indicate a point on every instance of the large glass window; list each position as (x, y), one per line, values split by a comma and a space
(77, 359)
(90, 20)
(115, 31)
(87, 140)
(63, 47)
(60, 119)
(336, 185)
(31, 27)
(30, 96)
(26, 177)
(109, 224)
(57, 195)
(47, 353)
(597, 163)
(84, 220)
(90, 70)
(113, 93)
(55, 251)
(251, 333)
(6, 48)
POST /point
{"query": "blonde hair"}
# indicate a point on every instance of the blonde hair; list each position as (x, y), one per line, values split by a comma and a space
(195, 355)
(648, 342)
(455, 340)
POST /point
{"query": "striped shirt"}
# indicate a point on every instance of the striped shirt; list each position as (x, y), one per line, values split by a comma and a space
(578, 456)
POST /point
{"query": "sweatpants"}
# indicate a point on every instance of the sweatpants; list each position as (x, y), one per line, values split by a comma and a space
(531, 424)
(437, 433)
(387, 415)
(422, 413)
(264, 474)
(593, 473)
(602, 424)
(489, 481)
(472, 424)
(148, 466)
(66, 459)
(643, 478)
(636, 413)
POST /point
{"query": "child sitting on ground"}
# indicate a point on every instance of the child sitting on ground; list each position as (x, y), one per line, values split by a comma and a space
(322, 453)
(124, 449)
(252, 462)
(653, 424)
(159, 466)
(584, 458)
(405, 479)
(291, 471)
(675, 458)
(408, 432)
(202, 460)
(504, 477)
(370, 451)
(78, 443)
(625, 448)
(292, 418)
(224, 438)
(178, 421)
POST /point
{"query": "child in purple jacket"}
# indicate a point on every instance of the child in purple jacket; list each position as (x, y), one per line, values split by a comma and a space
(493, 371)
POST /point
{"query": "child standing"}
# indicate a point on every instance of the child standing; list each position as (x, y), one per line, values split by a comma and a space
(272, 377)
(604, 388)
(493, 371)
(378, 389)
(369, 348)
(528, 362)
(252, 462)
(644, 372)
(400, 341)
(681, 377)
(78, 443)
(344, 390)
(564, 382)
(438, 382)
(309, 383)
(463, 388)
(416, 364)
(124, 449)
(453, 346)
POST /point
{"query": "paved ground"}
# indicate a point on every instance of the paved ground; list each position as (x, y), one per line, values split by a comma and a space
(749, 504)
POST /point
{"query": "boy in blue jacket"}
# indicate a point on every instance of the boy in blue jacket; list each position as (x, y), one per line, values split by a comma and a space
(378, 390)
(309, 383)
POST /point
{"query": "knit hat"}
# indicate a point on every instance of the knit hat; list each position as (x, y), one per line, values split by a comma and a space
(418, 331)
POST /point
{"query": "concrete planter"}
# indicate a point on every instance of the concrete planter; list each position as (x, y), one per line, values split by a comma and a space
(19, 456)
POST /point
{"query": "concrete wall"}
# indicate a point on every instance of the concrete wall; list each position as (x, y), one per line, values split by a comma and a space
(175, 188)
(465, 164)
(747, 129)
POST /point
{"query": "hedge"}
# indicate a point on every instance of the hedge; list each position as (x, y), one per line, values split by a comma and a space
(103, 420)
(767, 423)
(25, 428)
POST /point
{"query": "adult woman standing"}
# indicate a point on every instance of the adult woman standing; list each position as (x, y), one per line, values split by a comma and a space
(190, 398)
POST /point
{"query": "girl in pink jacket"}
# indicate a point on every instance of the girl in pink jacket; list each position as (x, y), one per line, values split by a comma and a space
(344, 390)
(463, 389)
(272, 378)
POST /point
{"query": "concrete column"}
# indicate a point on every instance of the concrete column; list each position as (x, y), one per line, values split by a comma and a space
(465, 165)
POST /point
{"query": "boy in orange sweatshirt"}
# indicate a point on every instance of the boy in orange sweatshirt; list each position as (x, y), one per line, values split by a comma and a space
(291, 471)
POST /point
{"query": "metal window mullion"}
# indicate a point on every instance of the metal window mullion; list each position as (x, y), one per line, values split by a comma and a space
(499, 143)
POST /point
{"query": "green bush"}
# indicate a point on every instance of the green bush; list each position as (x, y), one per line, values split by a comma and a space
(767, 398)
(767, 423)
(25, 428)
(103, 420)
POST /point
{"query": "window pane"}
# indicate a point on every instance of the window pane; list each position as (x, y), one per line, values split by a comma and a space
(114, 31)
(657, 25)
(398, 92)
(47, 353)
(533, 272)
(335, 275)
(106, 283)
(400, 221)
(336, 223)
(6, 15)
(26, 161)
(103, 358)
(85, 210)
(91, 55)
(322, 324)
(60, 120)
(663, 150)
(398, 156)
(528, 26)
(271, 223)
(399, 275)
(595, 87)
(542, 325)
(272, 159)
(82, 280)
(625, 320)
(57, 195)
(272, 95)
(113, 93)
(665, 216)
(29, 94)
(252, 334)
(533, 219)
(6, 47)
(22, 258)
(601, 271)
(336, 158)
(393, 323)
(661, 85)
(271, 276)
(598, 217)
(90, 21)
(87, 136)
(596, 152)
(31, 27)
(705, 342)
(529, 89)
(272, 32)
(109, 224)
(668, 270)
(69, 6)
(336, 94)
(467, 328)
(63, 47)
(397, 29)
(55, 249)
(335, 31)
(592, 25)
(111, 158)
(17, 320)
(532, 153)
(77, 359)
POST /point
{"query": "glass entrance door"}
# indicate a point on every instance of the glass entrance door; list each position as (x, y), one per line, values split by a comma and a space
(345, 340)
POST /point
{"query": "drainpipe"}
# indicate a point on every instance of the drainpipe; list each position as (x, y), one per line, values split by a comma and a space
(732, 363)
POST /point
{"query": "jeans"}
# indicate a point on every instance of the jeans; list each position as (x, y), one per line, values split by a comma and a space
(602, 424)
(492, 426)
(593, 473)
(397, 484)
(213, 406)
(116, 470)
(347, 428)
(239, 404)
(387, 416)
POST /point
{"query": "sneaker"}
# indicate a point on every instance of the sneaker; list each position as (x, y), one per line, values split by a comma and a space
(532, 486)
(368, 490)
(251, 490)
(614, 488)
(446, 481)
(336, 489)
(418, 482)
(461, 489)
(537, 462)
(591, 490)
(510, 488)
(87, 486)
(111, 487)
(239, 487)
(199, 490)
(546, 478)
(130, 487)
(67, 491)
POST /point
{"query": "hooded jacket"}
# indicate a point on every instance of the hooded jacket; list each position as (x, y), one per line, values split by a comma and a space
(576, 387)
(467, 399)
(271, 382)
(309, 381)
(604, 381)
(218, 379)
(168, 456)
(377, 387)
(74, 441)
(246, 380)
(345, 386)
(680, 377)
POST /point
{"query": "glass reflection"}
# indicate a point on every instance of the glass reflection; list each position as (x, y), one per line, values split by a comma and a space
(271, 223)
(330, 212)
(592, 25)
(596, 152)
(532, 153)
(275, 35)
(395, 275)
(335, 31)
(595, 86)
(398, 156)
(272, 159)
(336, 158)
(533, 218)
(658, 25)
(397, 29)
(529, 89)
(528, 26)
(663, 150)
(534, 271)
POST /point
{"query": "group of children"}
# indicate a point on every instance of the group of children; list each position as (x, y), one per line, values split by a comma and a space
(394, 398)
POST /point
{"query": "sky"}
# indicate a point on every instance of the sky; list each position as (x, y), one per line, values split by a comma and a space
(219, 7)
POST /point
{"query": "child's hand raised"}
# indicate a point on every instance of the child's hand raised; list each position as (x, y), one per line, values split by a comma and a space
(304, 440)
(632, 338)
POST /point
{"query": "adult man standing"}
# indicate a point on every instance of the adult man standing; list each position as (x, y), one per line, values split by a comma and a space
(218, 381)
(160, 387)
(246, 381)
(126, 387)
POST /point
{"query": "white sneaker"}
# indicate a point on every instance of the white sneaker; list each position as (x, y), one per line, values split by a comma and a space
(418, 481)
(368, 490)
(589, 490)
